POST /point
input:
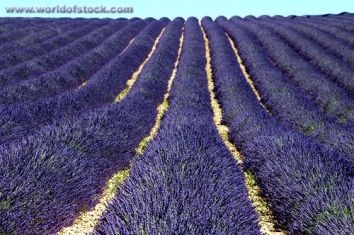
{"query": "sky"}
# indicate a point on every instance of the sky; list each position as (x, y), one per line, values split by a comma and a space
(186, 8)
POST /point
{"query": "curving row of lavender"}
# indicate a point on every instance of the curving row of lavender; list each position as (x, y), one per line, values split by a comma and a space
(285, 100)
(19, 120)
(20, 55)
(303, 181)
(325, 93)
(73, 160)
(332, 99)
(38, 37)
(335, 29)
(326, 62)
(74, 72)
(39, 65)
(63, 135)
(9, 26)
(330, 43)
(20, 32)
(187, 181)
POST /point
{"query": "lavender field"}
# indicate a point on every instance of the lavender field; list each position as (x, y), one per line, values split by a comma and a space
(177, 126)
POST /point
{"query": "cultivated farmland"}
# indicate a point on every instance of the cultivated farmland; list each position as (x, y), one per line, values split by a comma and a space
(183, 126)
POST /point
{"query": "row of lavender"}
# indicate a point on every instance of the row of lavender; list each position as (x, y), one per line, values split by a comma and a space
(309, 187)
(186, 181)
(77, 70)
(24, 49)
(11, 31)
(13, 25)
(104, 82)
(63, 149)
(310, 190)
(33, 38)
(54, 130)
(326, 93)
(293, 88)
(51, 176)
(29, 69)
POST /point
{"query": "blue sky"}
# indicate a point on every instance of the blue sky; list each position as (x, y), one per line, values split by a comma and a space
(185, 8)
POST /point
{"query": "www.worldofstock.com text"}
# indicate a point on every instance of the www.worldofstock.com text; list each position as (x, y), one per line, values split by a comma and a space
(69, 10)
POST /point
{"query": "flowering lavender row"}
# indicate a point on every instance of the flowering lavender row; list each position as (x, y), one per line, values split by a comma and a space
(30, 20)
(285, 100)
(327, 94)
(73, 73)
(345, 26)
(18, 120)
(22, 32)
(35, 29)
(341, 30)
(22, 20)
(332, 25)
(25, 54)
(51, 177)
(333, 29)
(11, 24)
(58, 57)
(329, 18)
(330, 43)
(324, 61)
(308, 187)
(38, 37)
(344, 16)
(52, 43)
(186, 181)
(56, 41)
